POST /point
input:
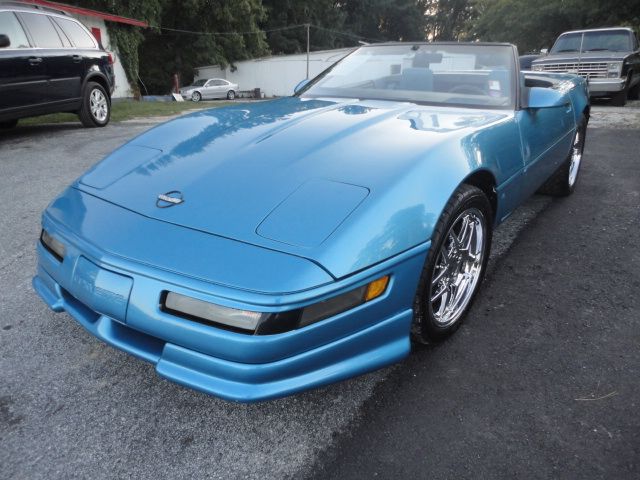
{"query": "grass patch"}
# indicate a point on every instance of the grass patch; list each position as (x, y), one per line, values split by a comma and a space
(128, 109)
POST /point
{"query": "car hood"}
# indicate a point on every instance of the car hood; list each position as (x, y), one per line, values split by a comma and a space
(284, 174)
(572, 57)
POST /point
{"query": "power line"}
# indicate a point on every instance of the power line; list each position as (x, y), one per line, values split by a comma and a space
(357, 37)
(254, 32)
(277, 29)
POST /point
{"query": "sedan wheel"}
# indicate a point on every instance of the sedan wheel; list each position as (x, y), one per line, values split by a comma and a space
(455, 265)
(231, 95)
(196, 97)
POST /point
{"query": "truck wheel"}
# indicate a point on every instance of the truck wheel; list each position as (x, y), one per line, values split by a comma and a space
(96, 106)
(634, 93)
(620, 99)
(8, 124)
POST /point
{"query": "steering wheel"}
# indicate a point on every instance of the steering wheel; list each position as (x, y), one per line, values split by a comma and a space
(468, 90)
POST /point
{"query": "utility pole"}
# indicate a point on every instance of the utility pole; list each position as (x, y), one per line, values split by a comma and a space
(308, 25)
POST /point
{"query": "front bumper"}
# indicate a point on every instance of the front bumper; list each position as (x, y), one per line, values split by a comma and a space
(118, 301)
(603, 86)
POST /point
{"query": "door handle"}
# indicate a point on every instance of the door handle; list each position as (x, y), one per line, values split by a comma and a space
(35, 60)
(76, 58)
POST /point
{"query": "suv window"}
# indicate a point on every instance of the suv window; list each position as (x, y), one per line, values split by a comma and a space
(76, 33)
(42, 30)
(10, 26)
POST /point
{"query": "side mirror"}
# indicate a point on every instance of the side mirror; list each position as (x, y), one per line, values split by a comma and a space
(4, 41)
(544, 51)
(301, 85)
(541, 97)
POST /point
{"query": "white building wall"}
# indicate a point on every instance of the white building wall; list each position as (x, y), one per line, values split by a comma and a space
(123, 89)
(275, 76)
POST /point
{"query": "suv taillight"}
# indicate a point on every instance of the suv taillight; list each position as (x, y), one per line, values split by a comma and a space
(111, 59)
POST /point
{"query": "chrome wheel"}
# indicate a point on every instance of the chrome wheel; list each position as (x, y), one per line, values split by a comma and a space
(98, 105)
(195, 96)
(576, 158)
(458, 267)
(231, 95)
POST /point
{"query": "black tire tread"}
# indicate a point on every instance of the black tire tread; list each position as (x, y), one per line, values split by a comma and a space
(462, 195)
(557, 184)
(85, 110)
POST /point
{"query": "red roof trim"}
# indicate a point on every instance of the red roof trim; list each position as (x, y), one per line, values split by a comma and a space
(88, 12)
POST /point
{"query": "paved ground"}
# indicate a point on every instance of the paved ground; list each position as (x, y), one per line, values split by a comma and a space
(71, 407)
(542, 380)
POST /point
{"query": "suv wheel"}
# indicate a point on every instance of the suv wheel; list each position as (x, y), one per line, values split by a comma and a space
(96, 106)
(8, 124)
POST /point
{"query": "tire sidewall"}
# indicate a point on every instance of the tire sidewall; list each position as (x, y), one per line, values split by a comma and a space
(582, 129)
(89, 119)
(429, 329)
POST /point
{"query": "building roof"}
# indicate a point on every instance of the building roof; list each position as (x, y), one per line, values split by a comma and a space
(87, 12)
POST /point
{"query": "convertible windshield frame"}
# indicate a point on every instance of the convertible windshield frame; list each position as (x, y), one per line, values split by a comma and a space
(513, 74)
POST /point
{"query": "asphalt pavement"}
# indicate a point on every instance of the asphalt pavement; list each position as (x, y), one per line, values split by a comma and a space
(556, 322)
(542, 381)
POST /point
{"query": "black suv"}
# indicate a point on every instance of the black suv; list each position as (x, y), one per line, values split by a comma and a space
(50, 62)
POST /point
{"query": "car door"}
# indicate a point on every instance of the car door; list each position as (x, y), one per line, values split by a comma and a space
(55, 51)
(223, 88)
(84, 46)
(546, 135)
(23, 81)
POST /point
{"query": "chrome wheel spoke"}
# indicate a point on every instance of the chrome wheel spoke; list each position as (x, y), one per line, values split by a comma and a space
(458, 267)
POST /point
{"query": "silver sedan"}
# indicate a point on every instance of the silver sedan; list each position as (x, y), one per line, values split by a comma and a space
(209, 88)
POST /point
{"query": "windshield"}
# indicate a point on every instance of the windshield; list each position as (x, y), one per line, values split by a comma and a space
(199, 83)
(610, 40)
(440, 74)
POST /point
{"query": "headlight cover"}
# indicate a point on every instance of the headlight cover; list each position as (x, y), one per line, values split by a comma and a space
(258, 323)
(614, 69)
(54, 246)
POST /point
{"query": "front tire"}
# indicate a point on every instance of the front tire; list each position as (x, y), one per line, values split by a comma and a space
(196, 97)
(8, 124)
(620, 99)
(96, 106)
(563, 181)
(455, 266)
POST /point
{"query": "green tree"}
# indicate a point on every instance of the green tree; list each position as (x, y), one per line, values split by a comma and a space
(284, 13)
(532, 26)
(230, 32)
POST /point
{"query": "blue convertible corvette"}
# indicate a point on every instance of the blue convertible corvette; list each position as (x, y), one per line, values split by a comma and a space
(258, 250)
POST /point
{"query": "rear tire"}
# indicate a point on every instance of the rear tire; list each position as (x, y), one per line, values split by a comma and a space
(563, 181)
(231, 95)
(8, 124)
(455, 265)
(96, 106)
